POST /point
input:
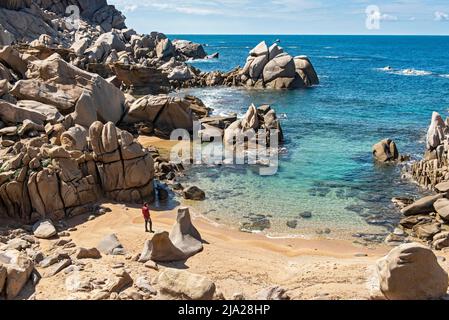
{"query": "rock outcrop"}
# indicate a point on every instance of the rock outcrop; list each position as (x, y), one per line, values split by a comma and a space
(412, 272)
(45, 181)
(385, 151)
(189, 50)
(255, 121)
(183, 241)
(433, 169)
(86, 96)
(271, 67)
(164, 112)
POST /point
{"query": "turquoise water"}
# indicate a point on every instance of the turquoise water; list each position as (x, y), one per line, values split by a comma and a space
(330, 129)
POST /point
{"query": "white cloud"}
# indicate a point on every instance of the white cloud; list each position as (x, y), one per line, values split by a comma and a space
(231, 8)
(388, 17)
(441, 16)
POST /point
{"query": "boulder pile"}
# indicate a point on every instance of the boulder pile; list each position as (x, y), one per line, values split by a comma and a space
(271, 67)
(433, 169)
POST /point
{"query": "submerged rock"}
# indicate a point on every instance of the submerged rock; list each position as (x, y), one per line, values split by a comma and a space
(194, 193)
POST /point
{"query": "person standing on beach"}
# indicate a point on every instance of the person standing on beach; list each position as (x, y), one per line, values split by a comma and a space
(147, 217)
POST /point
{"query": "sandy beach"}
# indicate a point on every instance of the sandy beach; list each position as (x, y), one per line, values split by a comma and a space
(237, 262)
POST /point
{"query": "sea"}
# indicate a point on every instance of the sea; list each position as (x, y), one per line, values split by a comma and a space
(372, 88)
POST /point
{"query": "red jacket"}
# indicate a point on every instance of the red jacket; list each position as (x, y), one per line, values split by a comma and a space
(146, 213)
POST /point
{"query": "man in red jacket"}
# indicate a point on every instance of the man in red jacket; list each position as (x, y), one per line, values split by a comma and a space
(147, 217)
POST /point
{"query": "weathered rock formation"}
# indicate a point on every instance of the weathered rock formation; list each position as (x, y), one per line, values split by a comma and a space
(86, 96)
(255, 121)
(271, 67)
(412, 272)
(44, 181)
(433, 169)
(183, 241)
(385, 151)
(164, 112)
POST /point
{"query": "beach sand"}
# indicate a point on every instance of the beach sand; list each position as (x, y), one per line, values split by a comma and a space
(237, 262)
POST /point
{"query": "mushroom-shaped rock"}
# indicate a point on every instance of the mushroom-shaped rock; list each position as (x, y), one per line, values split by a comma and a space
(412, 272)
(385, 151)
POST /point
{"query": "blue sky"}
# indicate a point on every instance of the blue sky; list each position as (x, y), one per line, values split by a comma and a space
(286, 16)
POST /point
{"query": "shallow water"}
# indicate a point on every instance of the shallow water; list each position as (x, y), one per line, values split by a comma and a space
(330, 129)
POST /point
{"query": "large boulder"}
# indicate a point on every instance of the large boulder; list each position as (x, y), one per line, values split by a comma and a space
(51, 113)
(282, 66)
(54, 81)
(110, 245)
(412, 272)
(385, 151)
(183, 285)
(125, 170)
(306, 71)
(274, 69)
(189, 49)
(442, 208)
(183, 242)
(165, 49)
(165, 112)
(44, 229)
(161, 249)
(103, 46)
(18, 270)
(13, 114)
(184, 235)
(422, 206)
(194, 193)
(12, 58)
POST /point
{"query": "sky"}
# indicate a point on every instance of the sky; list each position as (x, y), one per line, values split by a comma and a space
(371, 17)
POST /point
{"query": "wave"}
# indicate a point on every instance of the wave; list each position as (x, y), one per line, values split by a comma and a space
(406, 72)
(444, 76)
(331, 57)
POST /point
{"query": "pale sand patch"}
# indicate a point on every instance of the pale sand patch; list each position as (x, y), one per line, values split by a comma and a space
(237, 262)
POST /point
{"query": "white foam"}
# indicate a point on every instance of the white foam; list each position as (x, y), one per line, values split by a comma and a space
(413, 72)
(444, 76)
(406, 72)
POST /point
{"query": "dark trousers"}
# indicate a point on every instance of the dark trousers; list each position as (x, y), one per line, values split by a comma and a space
(148, 221)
